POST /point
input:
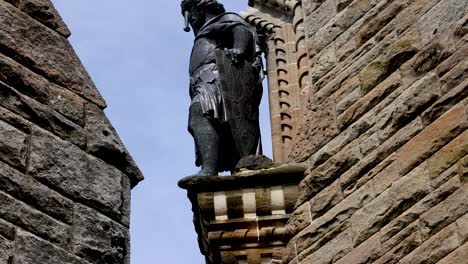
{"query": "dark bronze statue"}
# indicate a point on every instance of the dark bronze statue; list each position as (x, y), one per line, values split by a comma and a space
(225, 86)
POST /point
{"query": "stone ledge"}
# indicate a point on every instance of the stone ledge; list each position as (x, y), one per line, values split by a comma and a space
(245, 179)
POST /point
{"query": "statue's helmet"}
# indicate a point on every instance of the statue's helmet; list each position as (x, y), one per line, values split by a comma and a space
(211, 6)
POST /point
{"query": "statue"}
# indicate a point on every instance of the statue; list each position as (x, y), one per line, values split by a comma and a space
(225, 86)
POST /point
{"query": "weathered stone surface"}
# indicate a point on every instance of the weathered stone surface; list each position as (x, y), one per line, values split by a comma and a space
(321, 16)
(395, 55)
(341, 22)
(97, 238)
(104, 143)
(445, 103)
(324, 62)
(334, 217)
(26, 189)
(31, 249)
(455, 76)
(328, 172)
(44, 12)
(300, 219)
(333, 250)
(445, 213)
(411, 231)
(7, 230)
(367, 252)
(6, 251)
(462, 225)
(448, 155)
(458, 256)
(445, 13)
(406, 106)
(362, 171)
(41, 115)
(23, 79)
(344, 138)
(393, 228)
(432, 138)
(57, 62)
(398, 252)
(402, 195)
(70, 170)
(33, 221)
(67, 104)
(310, 138)
(370, 100)
(463, 169)
(326, 199)
(435, 248)
(13, 145)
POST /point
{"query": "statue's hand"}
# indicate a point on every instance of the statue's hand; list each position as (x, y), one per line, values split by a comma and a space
(234, 54)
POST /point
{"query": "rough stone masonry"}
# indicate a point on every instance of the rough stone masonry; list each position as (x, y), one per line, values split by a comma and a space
(371, 95)
(65, 176)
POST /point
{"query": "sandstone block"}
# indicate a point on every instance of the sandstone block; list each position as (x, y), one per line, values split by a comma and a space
(13, 145)
(44, 12)
(333, 250)
(398, 252)
(394, 56)
(435, 248)
(104, 143)
(445, 13)
(67, 104)
(6, 251)
(444, 177)
(462, 225)
(31, 249)
(328, 172)
(384, 180)
(371, 99)
(326, 34)
(324, 62)
(445, 213)
(70, 170)
(320, 16)
(33, 221)
(407, 105)
(300, 219)
(97, 238)
(409, 233)
(455, 76)
(348, 94)
(448, 155)
(458, 256)
(7, 230)
(404, 220)
(23, 79)
(57, 62)
(42, 115)
(445, 103)
(326, 199)
(362, 171)
(15, 120)
(334, 217)
(432, 138)
(463, 169)
(403, 193)
(310, 138)
(342, 140)
(26, 189)
(367, 252)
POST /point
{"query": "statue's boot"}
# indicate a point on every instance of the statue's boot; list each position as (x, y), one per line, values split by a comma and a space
(206, 140)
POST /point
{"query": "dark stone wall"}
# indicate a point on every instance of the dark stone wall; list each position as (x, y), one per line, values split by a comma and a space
(65, 176)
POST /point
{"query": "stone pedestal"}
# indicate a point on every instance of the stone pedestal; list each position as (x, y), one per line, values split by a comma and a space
(241, 218)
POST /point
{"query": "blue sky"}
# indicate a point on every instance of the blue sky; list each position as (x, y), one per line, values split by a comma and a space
(137, 54)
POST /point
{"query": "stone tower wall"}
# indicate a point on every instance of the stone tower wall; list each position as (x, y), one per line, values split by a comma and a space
(65, 176)
(384, 133)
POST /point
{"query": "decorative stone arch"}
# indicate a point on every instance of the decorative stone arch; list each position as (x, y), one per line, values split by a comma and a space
(280, 25)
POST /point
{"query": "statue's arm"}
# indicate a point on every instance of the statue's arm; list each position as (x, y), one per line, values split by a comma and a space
(243, 46)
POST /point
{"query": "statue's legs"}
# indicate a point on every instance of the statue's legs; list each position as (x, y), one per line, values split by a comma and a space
(206, 140)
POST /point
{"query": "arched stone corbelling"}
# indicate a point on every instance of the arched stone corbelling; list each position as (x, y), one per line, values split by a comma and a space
(284, 6)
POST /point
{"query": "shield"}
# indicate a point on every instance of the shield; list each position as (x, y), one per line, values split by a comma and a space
(242, 92)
